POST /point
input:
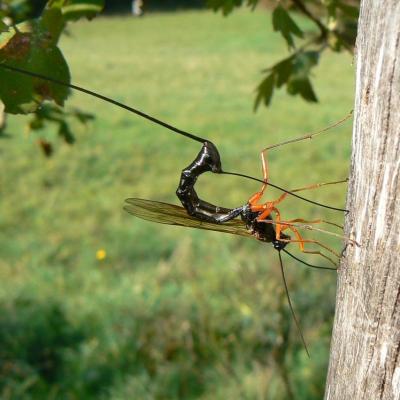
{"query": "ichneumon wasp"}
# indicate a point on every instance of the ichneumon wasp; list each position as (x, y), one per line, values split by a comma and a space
(255, 217)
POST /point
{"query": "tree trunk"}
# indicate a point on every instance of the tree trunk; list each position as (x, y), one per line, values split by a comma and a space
(365, 349)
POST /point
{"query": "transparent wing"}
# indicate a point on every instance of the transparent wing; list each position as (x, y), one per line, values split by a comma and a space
(164, 213)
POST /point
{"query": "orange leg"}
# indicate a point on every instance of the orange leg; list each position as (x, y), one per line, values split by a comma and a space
(257, 196)
(267, 208)
(271, 204)
(308, 227)
(302, 241)
(309, 187)
(265, 212)
(280, 226)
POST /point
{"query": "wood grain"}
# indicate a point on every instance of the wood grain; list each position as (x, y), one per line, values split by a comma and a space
(365, 349)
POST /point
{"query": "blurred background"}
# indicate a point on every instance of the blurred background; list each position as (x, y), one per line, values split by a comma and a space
(97, 304)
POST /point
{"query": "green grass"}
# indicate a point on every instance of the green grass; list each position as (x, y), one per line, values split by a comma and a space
(170, 313)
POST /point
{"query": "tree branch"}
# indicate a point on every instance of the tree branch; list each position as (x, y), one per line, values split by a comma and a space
(301, 7)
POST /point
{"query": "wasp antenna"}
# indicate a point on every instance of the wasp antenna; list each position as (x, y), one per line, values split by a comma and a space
(312, 134)
(156, 121)
(291, 306)
(286, 191)
(107, 99)
(306, 263)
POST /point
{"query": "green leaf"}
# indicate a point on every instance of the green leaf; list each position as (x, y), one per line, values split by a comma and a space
(52, 22)
(283, 70)
(3, 27)
(227, 6)
(66, 133)
(283, 23)
(299, 82)
(76, 9)
(33, 52)
(294, 72)
(304, 61)
(265, 91)
(55, 4)
(32, 46)
(303, 87)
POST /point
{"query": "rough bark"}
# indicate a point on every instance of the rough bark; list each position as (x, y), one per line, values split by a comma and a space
(365, 349)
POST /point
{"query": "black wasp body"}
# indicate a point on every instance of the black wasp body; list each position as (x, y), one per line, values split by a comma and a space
(261, 230)
(208, 160)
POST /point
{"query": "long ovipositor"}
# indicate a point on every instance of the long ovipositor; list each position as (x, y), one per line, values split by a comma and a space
(165, 125)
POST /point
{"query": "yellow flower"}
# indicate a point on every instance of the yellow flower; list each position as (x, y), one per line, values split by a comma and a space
(101, 254)
(245, 310)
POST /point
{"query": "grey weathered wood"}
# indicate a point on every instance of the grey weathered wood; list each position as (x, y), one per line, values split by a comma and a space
(365, 349)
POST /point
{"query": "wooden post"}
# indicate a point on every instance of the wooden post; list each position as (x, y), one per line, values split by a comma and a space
(365, 349)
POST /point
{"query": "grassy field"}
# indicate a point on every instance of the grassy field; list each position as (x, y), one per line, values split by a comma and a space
(168, 313)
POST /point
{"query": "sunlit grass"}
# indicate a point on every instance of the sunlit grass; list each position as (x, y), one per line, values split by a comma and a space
(153, 311)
